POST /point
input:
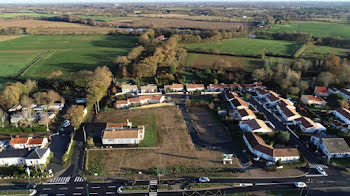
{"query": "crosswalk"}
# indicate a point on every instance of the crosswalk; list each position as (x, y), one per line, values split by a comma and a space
(60, 180)
(315, 165)
(78, 179)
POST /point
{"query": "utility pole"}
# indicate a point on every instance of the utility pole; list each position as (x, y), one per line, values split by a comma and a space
(308, 188)
(87, 189)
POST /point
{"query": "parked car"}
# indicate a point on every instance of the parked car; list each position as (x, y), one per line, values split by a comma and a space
(31, 186)
(321, 171)
(300, 185)
(204, 179)
(66, 123)
(130, 182)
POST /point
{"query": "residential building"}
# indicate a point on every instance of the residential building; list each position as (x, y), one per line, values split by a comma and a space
(28, 157)
(345, 93)
(321, 91)
(55, 106)
(312, 100)
(285, 103)
(230, 96)
(152, 88)
(332, 147)
(141, 100)
(15, 108)
(38, 157)
(333, 90)
(261, 93)
(309, 126)
(217, 87)
(245, 114)
(248, 87)
(272, 99)
(194, 87)
(238, 103)
(174, 88)
(254, 125)
(122, 104)
(343, 115)
(122, 133)
(288, 114)
(28, 142)
(257, 146)
(127, 88)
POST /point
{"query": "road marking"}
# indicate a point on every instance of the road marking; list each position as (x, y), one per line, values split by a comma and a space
(111, 186)
(95, 187)
(59, 194)
(46, 189)
(93, 193)
(79, 187)
(63, 188)
(43, 195)
(76, 193)
(109, 193)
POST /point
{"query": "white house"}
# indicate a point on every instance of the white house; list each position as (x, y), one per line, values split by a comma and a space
(245, 114)
(272, 99)
(321, 91)
(122, 104)
(217, 87)
(28, 157)
(238, 103)
(55, 106)
(310, 99)
(309, 126)
(194, 87)
(333, 90)
(38, 157)
(345, 93)
(230, 96)
(15, 108)
(174, 87)
(28, 142)
(257, 146)
(127, 88)
(285, 103)
(288, 114)
(254, 125)
(122, 133)
(152, 88)
(332, 147)
(261, 93)
(343, 115)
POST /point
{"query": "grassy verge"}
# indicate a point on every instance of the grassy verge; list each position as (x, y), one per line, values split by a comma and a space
(15, 192)
(345, 162)
(204, 185)
(67, 157)
(135, 188)
(13, 130)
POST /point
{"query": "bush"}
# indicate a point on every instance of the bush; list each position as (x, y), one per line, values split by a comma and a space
(260, 116)
(11, 130)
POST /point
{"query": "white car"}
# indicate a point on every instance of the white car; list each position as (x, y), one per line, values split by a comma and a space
(204, 179)
(300, 184)
(256, 158)
(66, 123)
(321, 171)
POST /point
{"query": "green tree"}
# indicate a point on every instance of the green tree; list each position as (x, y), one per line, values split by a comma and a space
(283, 137)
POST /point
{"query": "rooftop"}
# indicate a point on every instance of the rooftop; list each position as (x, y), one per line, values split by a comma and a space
(289, 112)
(194, 86)
(116, 134)
(344, 112)
(321, 89)
(255, 124)
(273, 97)
(173, 86)
(245, 112)
(313, 98)
(128, 86)
(37, 153)
(239, 102)
(336, 145)
(18, 140)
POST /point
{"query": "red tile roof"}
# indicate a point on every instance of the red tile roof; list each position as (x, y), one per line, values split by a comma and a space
(321, 89)
(313, 98)
(18, 141)
(239, 102)
(120, 134)
(173, 86)
(34, 141)
(288, 112)
(272, 97)
(262, 91)
(114, 125)
(189, 86)
(122, 102)
(218, 86)
(305, 122)
(231, 95)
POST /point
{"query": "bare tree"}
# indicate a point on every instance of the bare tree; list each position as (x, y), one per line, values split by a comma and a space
(27, 111)
(3, 117)
(45, 118)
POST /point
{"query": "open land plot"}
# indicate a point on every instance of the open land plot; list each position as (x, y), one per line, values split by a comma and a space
(210, 130)
(251, 47)
(28, 14)
(40, 27)
(105, 18)
(316, 29)
(312, 50)
(177, 23)
(70, 53)
(9, 37)
(198, 18)
(175, 145)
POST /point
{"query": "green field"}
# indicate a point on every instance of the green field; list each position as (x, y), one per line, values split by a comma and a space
(312, 51)
(317, 29)
(66, 53)
(31, 14)
(251, 47)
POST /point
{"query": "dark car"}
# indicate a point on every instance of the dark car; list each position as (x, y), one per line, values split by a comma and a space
(31, 186)
(130, 182)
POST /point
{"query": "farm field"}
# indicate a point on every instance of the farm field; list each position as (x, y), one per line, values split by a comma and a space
(312, 50)
(175, 146)
(317, 29)
(66, 53)
(28, 14)
(249, 47)
(105, 18)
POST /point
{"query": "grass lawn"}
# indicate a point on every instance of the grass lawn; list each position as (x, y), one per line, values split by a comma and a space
(254, 47)
(70, 53)
(312, 51)
(15, 192)
(317, 29)
(31, 14)
(340, 162)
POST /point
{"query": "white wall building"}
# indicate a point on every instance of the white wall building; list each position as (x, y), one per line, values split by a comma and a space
(332, 147)
(343, 115)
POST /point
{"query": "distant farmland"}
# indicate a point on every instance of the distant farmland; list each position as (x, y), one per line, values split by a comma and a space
(317, 29)
(250, 47)
(66, 53)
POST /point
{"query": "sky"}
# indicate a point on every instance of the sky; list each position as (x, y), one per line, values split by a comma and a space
(129, 1)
